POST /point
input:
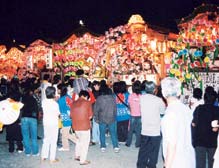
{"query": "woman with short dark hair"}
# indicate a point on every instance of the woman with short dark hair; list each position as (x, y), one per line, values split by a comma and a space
(196, 99)
(123, 113)
(135, 121)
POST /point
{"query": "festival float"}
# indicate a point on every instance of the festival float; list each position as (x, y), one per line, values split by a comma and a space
(39, 56)
(135, 50)
(11, 61)
(124, 52)
(127, 51)
(195, 59)
(79, 51)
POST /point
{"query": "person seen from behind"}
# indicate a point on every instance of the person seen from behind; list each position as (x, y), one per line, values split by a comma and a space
(151, 107)
(196, 99)
(176, 128)
(29, 127)
(135, 121)
(105, 116)
(205, 138)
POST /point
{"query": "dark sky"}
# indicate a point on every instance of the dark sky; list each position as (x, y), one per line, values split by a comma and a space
(28, 20)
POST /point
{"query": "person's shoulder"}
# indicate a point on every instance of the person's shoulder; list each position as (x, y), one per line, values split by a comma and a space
(127, 93)
(133, 95)
(32, 98)
(216, 108)
(154, 97)
(54, 102)
(44, 101)
(88, 102)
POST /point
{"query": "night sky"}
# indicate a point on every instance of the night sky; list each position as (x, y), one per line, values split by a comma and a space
(54, 20)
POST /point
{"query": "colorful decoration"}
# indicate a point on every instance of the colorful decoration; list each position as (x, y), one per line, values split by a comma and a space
(77, 53)
(135, 49)
(197, 47)
(10, 61)
(124, 50)
(36, 54)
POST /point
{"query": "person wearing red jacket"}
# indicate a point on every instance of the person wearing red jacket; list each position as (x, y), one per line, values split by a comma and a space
(81, 113)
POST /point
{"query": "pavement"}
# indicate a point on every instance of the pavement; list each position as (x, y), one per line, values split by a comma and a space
(126, 158)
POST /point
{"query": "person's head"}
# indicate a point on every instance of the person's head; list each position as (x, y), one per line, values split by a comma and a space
(150, 87)
(197, 93)
(56, 79)
(15, 95)
(116, 87)
(66, 78)
(64, 90)
(133, 80)
(136, 87)
(3, 81)
(96, 85)
(210, 95)
(171, 87)
(105, 91)
(103, 83)
(123, 87)
(143, 85)
(79, 72)
(50, 92)
(46, 77)
(84, 94)
(209, 89)
(70, 82)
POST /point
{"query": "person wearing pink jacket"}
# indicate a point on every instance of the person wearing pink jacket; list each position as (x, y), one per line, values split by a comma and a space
(135, 121)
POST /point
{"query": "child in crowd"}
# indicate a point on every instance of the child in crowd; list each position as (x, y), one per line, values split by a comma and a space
(50, 124)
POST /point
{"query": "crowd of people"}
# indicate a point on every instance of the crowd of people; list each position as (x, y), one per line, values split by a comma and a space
(86, 112)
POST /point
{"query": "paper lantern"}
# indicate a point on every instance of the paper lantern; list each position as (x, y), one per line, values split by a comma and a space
(9, 111)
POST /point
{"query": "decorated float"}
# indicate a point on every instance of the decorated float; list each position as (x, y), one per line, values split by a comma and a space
(11, 61)
(127, 51)
(135, 50)
(39, 56)
(195, 59)
(79, 51)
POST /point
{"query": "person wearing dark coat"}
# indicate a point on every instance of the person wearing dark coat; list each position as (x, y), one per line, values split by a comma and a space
(13, 131)
(29, 123)
(105, 116)
(204, 137)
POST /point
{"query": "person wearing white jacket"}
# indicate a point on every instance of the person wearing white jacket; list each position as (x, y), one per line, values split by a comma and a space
(51, 116)
(176, 128)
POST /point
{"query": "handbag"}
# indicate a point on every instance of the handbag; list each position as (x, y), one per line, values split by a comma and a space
(60, 123)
